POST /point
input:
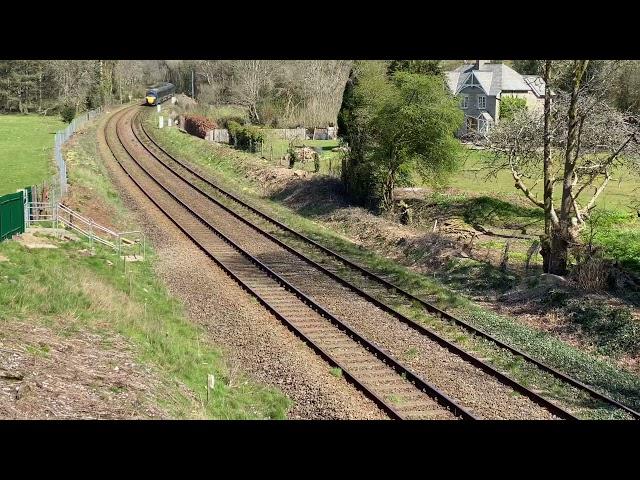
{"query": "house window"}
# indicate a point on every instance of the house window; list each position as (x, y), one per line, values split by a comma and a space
(482, 101)
(465, 101)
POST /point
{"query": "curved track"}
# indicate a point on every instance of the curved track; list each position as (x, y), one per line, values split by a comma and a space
(270, 275)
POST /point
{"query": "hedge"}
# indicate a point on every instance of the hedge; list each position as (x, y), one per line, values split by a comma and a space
(245, 136)
(198, 125)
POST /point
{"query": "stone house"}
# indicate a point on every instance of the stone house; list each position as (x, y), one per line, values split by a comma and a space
(481, 86)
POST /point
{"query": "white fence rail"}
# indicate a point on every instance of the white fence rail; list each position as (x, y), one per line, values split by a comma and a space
(59, 215)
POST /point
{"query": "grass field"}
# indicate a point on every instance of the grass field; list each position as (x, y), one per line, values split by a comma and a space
(26, 149)
(623, 189)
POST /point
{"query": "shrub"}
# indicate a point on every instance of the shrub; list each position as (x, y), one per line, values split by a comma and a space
(198, 125)
(224, 120)
(510, 105)
(68, 113)
(613, 329)
(245, 136)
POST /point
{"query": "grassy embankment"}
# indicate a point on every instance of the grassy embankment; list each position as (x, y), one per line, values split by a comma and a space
(68, 290)
(230, 170)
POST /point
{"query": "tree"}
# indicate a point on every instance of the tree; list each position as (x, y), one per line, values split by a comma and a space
(582, 139)
(426, 67)
(509, 106)
(405, 122)
(528, 67)
(252, 78)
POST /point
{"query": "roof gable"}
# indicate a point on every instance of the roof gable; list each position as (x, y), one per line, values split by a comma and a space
(495, 78)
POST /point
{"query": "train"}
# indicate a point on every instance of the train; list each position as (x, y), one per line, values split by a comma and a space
(159, 93)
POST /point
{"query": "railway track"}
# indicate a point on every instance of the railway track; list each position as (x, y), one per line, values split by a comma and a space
(375, 288)
(269, 272)
(395, 389)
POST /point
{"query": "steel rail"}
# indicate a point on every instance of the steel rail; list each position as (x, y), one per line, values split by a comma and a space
(485, 367)
(440, 397)
(390, 286)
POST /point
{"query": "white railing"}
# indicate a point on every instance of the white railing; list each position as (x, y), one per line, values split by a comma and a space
(60, 215)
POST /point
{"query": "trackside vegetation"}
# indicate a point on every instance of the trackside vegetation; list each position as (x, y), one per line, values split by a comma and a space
(231, 170)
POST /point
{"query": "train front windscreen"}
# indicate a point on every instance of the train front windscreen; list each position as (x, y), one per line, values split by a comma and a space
(151, 97)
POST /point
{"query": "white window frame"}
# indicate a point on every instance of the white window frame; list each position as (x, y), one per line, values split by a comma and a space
(465, 102)
(484, 101)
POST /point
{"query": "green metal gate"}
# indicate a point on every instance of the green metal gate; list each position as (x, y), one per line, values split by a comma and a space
(11, 214)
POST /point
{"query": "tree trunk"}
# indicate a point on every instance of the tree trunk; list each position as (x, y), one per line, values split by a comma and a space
(561, 234)
(545, 240)
(557, 263)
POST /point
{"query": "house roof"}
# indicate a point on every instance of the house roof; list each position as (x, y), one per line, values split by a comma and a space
(536, 83)
(495, 78)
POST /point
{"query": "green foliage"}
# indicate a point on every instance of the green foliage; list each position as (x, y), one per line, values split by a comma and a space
(425, 67)
(618, 234)
(406, 122)
(246, 137)
(224, 120)
(291, 153)
(528, 67)
(509, 106)
(613, 329)
(68, 113)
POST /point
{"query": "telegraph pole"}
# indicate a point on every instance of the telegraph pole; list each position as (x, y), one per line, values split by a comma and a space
(193, 93)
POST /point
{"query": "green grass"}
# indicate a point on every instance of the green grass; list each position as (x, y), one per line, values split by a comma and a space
(274, 148)
(473, 179)
(69, 291)
(230, 171)
(26, 150)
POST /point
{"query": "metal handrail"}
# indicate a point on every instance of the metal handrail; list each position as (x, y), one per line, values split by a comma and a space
(83, 225)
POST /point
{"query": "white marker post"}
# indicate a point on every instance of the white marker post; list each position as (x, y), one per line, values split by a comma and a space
(159, 107)
(211, 381)
(169, 122)
(160, 121)
(174, 100)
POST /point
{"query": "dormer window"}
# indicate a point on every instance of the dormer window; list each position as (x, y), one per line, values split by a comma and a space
(482, 101)
(464, 102)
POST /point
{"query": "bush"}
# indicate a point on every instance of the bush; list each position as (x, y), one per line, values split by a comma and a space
(245, 136)
(198, 125)
(509, 106)
(224, 120)
(614, 330)
(68, 113)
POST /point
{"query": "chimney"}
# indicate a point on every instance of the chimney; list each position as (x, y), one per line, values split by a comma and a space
(481, 63)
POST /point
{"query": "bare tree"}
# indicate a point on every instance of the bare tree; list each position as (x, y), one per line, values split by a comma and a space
(252, 78)
(580, 140)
